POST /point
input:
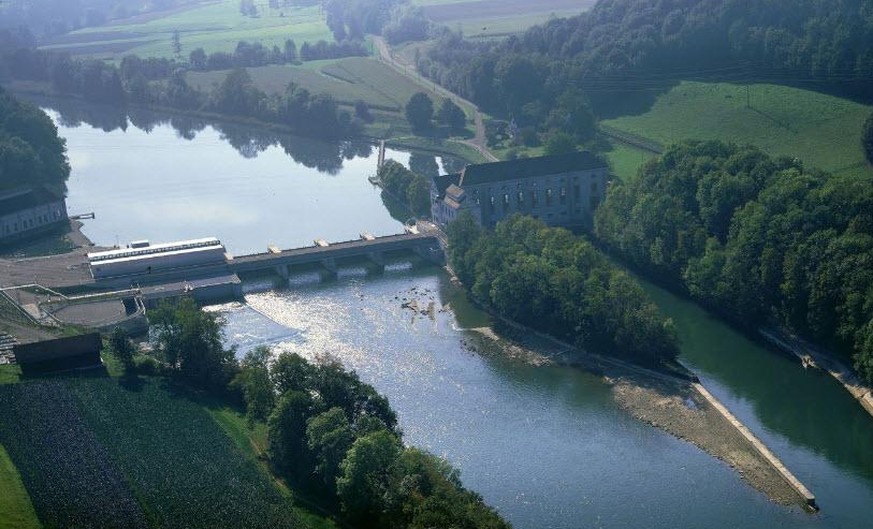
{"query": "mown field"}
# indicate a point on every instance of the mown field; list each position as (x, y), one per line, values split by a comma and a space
(213, 25)
(102, 452)
(489, 18)
(347, 80)
(822, 130)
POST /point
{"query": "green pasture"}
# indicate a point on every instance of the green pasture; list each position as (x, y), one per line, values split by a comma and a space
(214, 26)
(489, 18)
(16, 511)
(822, 130)
(626, 161)
(347, 80)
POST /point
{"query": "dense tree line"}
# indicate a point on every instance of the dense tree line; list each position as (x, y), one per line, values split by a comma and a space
(758, 239)
(335, 436)
(47, 18)
(627, 44)
(407, 23)
(411, 188)
(550, 76)
(297, 109)
(555, 282)
(867, 139)
(355, 18)
(31, 153)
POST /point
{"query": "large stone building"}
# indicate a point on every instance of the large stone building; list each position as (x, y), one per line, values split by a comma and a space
(28, 211)
(560, 190)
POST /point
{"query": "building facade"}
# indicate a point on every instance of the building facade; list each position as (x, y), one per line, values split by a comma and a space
(560, 190)
(29, 211)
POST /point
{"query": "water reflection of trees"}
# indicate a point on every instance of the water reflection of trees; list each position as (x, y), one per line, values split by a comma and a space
(248, 141)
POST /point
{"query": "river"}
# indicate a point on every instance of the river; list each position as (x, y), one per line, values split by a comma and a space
(547, 446)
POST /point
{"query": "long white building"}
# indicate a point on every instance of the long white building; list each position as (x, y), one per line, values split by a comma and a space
(142, 258)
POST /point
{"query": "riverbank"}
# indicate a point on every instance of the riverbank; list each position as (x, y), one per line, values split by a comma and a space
(679, 406)
(812, 356)
(432, 145)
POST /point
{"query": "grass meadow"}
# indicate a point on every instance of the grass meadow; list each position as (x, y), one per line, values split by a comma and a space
(15, 503)
(493, 18)
(822, 130)
(213, 25)
(347, 80)
(626, 161)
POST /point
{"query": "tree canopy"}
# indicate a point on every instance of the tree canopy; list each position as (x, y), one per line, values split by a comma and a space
(761, 240)
(190, 342)
(31, 152)
(419, 111)
(336, 437)
(867, 139)
(558, 283)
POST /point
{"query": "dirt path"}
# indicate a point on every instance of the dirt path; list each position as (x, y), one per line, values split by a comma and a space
(478, 141)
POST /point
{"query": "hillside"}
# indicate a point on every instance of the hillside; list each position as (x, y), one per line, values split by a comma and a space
(821, 130)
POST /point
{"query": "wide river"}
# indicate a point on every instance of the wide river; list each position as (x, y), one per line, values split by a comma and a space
(547, 446)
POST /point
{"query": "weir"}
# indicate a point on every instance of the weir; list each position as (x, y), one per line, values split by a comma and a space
(375, 250)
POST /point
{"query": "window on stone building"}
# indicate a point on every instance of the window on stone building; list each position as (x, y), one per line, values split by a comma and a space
(548, 197)
(563, 195)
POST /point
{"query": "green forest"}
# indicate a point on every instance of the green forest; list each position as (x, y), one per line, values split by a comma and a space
(623, 52)
(551, 280)
(760, 240)
(31, 153)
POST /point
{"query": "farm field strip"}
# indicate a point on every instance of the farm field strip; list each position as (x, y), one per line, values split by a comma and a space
(822, 130)
(215, 26)
(347, 80)
(196, 474)
(486, 9)
(109, 452)
(71, 479)
(495, 18)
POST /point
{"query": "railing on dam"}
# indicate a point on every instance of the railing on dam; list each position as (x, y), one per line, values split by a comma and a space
(422, 242)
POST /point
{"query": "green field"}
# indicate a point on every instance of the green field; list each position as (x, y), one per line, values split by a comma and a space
(17, 511)
(822, 130)
(214, 26)
(188, 460)
(347, 80)
(626, 161)
(491, 18)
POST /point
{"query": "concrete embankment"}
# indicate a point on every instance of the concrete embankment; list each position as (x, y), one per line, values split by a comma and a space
(812, 356)
(762, 449)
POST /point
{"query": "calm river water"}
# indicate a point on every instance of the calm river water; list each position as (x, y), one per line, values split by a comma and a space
(546, 446)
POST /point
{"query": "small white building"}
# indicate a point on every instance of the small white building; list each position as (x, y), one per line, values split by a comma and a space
(26, 212)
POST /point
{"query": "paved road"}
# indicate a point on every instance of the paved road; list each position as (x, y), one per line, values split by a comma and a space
(478, 141)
